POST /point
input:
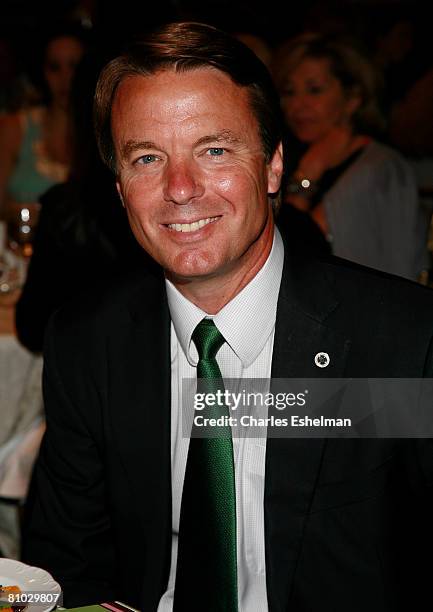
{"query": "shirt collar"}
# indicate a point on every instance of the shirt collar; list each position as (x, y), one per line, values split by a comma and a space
(246, 322)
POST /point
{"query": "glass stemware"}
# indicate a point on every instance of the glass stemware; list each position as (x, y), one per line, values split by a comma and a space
(22, 220)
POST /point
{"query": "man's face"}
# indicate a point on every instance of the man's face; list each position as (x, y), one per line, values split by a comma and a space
(192, 172)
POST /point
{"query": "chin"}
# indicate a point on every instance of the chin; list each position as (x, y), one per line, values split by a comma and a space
(303, 134)
(194, 266)
(306, 137)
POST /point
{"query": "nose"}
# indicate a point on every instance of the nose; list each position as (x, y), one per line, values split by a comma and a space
(66, 76)
(69, 74)
(295, 103)
(182, 182)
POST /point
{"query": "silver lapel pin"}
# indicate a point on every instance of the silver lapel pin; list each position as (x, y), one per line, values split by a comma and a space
(322, 360)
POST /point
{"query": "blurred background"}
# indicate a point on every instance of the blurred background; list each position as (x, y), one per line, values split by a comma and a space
(62, 228)
(21, 19)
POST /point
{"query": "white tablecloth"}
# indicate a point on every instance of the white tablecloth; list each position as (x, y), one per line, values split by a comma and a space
(21, 413)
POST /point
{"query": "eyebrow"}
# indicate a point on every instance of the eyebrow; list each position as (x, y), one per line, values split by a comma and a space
(131, 146)
(222, 136)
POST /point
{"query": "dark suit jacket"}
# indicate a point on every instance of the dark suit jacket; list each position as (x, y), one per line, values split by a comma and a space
(347, 522)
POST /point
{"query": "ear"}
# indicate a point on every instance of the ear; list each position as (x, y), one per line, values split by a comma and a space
(275, 170)
(119, 191)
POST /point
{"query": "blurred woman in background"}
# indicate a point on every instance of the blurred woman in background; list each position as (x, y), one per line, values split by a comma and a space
(83, 238)
(35, 142)
(360, 193)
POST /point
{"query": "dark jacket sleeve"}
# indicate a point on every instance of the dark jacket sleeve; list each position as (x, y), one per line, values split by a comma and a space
(66, 525)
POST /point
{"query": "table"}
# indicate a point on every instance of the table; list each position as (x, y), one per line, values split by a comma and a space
(112, 606)
(23, 425)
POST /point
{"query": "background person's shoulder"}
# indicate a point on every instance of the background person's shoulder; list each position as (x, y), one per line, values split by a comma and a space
(97, 311)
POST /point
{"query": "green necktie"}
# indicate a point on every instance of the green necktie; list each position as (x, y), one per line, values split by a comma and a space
(206, 575)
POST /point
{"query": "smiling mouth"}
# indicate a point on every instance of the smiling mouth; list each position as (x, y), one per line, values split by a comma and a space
(191, 227)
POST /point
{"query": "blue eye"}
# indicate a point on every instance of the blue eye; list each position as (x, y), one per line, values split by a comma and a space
(216, 151)
(146, 159)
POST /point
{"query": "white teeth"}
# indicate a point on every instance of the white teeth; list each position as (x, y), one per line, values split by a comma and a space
(191, 227)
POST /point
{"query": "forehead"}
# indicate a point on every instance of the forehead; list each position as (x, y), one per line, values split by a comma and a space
(312, 67)
(63, 47)
(170, 101)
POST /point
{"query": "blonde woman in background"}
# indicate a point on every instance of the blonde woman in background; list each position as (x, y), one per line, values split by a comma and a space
(361, 193)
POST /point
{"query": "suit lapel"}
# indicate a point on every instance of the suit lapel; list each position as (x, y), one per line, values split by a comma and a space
(140, 383)
(139, 398)
(292, 465)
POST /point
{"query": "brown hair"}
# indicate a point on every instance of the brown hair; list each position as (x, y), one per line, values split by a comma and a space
(187, 46)
(347, 63)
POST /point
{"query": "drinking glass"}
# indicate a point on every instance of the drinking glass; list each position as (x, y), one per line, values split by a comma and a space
(22, 220)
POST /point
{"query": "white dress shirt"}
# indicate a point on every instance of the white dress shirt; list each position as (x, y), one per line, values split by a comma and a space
(247, 323)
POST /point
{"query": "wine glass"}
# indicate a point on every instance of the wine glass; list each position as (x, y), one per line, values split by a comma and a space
(22, 220)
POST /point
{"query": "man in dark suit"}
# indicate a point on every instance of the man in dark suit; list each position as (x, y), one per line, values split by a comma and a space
(188, 119)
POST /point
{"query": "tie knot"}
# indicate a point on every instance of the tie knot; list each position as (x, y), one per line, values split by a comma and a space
(207, 339)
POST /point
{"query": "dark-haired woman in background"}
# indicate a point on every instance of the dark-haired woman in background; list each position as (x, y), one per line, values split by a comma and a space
(360, 193)
(83, 237)
(35, 142)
